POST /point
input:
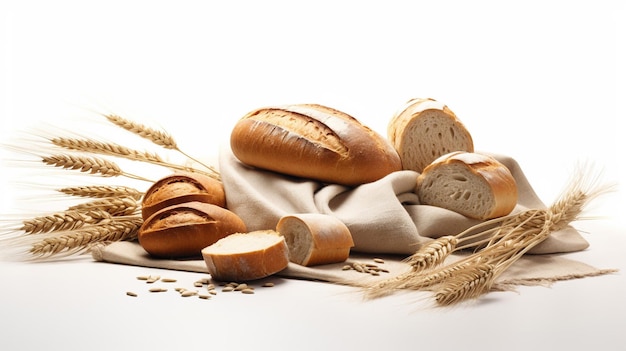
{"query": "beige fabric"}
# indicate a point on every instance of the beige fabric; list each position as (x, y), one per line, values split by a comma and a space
(384, 217)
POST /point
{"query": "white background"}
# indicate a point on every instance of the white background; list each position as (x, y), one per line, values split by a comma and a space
(542, 81)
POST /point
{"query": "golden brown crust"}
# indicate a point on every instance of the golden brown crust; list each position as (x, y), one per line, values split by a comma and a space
(315, 239)
(499, 180)
(179, 188)
(313, 142)
(183, 230)
(246, 256)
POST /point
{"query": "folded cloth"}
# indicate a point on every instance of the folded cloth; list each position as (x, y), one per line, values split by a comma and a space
(385, 219)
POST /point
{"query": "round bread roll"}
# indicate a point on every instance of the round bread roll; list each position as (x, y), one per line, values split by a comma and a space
(183, 230)
(313, 142)
(246, 256)
(475, 185)
(315, 239)
(179, 188)
(424, 130)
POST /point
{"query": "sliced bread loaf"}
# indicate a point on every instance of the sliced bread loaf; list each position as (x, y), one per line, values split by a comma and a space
(475, 185)
(425, 129)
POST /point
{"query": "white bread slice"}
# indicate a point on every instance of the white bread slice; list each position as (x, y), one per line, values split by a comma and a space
(315, 239)
(475, 185)
(425, 129)
(246, 256)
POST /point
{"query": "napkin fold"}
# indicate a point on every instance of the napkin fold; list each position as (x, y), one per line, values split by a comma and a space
(384, 217)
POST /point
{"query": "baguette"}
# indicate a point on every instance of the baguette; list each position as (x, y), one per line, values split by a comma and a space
(183, 230)
(246, 256)
(475, 185)
(424, 130)
(313, 142)
(315, 239)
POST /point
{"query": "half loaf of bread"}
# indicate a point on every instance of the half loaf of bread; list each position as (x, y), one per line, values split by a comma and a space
(315, 239)
(313, 142)
(475, 185)
(425, 129)
(246, 256)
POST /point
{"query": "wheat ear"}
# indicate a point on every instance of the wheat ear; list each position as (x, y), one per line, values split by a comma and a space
(102, 191)
(157, 137)
(87, 164)
(116, 206)
(75, 241)
(66, 220)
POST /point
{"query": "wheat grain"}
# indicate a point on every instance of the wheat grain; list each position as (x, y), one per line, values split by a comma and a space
(67, 220)
(102, 191)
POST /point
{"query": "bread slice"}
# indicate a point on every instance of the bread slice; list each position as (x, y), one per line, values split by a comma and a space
(247, 256)
(425, 129)
(315, 239)
(475, 185)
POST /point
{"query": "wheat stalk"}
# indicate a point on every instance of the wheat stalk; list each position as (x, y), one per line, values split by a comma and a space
(67, 220)
(75, 241)
(157, 137)
(116, 206)
(88, 164)
(102, 191)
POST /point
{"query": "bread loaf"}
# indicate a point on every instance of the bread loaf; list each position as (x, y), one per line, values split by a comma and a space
(315, 239)
(183, 230)
(473, 184)
(425, 129)
(313, 142)
(246, 256)
(179, 188)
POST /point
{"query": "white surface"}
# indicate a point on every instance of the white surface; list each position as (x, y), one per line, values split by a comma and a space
(540, 81)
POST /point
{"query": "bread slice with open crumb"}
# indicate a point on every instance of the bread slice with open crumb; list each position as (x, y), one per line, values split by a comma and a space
(475, 185)
(425, 129)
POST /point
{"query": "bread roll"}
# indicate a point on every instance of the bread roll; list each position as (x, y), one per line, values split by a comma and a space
(315, 239)
(183, 230)
(246, 256)
(179, 188)
(313, 142)
(475, 185)
(424, 130)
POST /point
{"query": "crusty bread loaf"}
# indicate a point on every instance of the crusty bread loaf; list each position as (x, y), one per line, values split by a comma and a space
(183, 230)
(473, 184)
(315, 239)
(246, 256)
(313, 142)
(425, 129)
(179, 188)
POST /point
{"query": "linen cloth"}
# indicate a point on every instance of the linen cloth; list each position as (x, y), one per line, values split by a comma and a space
(384, 217)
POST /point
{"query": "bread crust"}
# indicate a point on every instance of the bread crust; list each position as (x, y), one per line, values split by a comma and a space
(487, 169)
(315, 239)
(314, 142)
(179, 188)
(245, 260)
(401, 133)
(183, 230)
